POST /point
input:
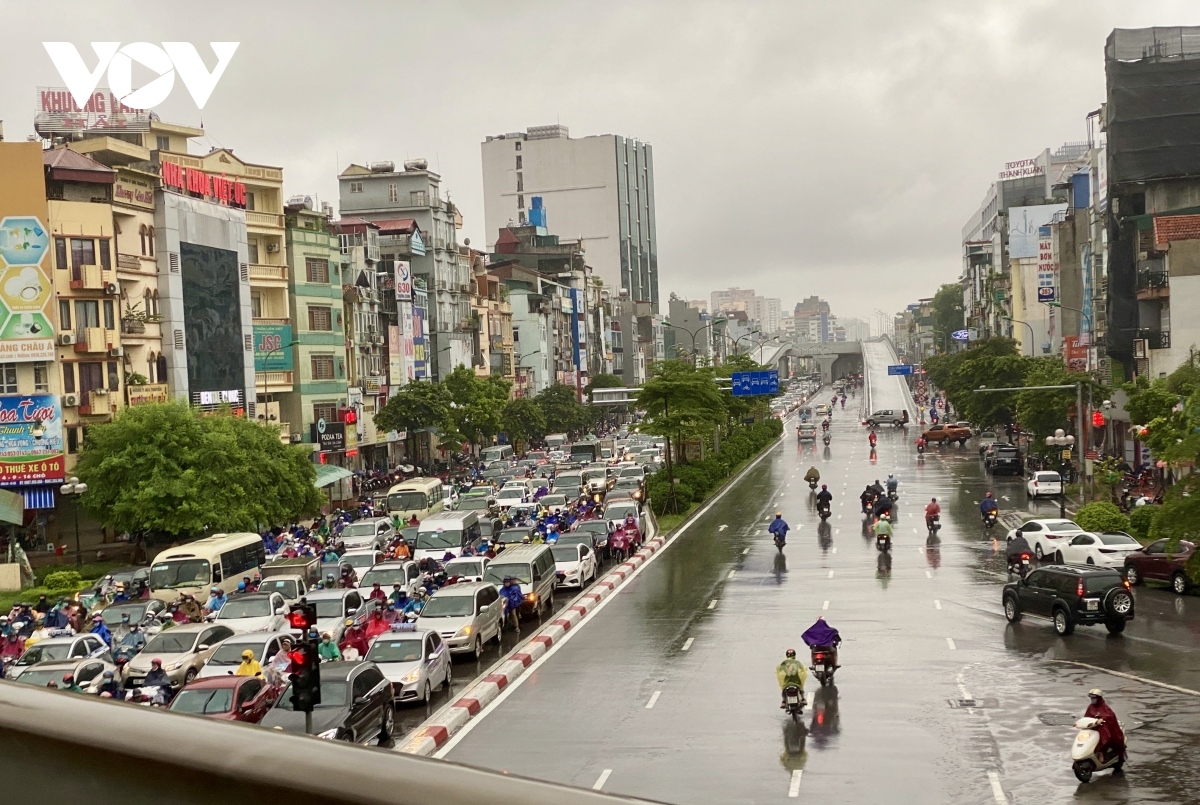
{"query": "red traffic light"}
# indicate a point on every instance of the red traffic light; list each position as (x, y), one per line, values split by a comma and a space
(302, 617)
(1098, 419)
(349, 416)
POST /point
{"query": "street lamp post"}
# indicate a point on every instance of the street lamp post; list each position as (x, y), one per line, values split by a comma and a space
(523, 357)
(74, 489)
(740, 337)
(712, 323)
(1032, 337)
(1060, 440)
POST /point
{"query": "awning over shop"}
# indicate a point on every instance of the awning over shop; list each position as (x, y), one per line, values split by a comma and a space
(329, 474)
(39, 497)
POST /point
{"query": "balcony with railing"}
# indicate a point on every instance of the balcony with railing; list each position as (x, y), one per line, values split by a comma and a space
(1156, 339)
(268, 275)
(268, 219)
(129, 262)
(97, 402)
(91, 340)
(1153, 283)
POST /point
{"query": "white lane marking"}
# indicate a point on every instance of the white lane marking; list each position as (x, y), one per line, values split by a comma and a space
(937, 604)
(732, 573)
(745, 552)
(653, 699)
(825, 605)
(712, 604)
(928, 575)
(1123, 675)
(687, 644)
(839, 517)
(831, 574)
(794, 788)
(835, 549)
(1004, 497)
(602, 780)
(950, 643)
(915, 531)
(790, 485)
(997, 791)
(724, 526)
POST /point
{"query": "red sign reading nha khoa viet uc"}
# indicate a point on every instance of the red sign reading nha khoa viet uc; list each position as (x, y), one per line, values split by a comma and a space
(197, 182)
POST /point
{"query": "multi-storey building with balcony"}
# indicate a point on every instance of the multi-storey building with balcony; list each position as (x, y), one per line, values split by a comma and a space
(381, 194)
(494, 348)
(79, 199)
(315, 358)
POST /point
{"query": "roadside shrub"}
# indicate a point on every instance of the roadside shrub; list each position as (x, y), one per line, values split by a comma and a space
(1102, 516)
(63, 580)
(1140, 521)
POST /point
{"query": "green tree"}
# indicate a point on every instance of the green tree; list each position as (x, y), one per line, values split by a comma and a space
(1102, 516)
(739, 408)
(164, 468)
(562, 409)
(994, 363)
(523, 420)
(1042, 411)
(416, 406)
(603, 381)
(947, 312)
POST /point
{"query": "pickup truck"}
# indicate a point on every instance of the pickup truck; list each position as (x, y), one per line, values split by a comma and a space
(292, 578)
(947, 433)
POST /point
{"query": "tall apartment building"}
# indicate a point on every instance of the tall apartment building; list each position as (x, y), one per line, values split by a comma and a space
(600, 190)
(379, 193)
(766, 312)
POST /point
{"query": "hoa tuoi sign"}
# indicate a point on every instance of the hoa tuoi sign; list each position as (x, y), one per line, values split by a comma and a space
(165, 62)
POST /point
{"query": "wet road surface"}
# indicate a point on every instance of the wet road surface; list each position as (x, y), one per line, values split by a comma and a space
(668, 691)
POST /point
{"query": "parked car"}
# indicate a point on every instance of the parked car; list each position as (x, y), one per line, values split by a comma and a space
(256, 612)
(1070, 596)
(1106, 549)
(574, 564)
(59, 649)
(88, 673)
(183, 650)
(225, 660)
(227, 698)
(465, 615)
(1045, 536)
(1154, 562)
(1044, 484)
(414, 662)
(369, 532)
(356, 705)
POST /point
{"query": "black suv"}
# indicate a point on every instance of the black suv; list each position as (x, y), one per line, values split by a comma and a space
(1071, 595)
(1004, 458)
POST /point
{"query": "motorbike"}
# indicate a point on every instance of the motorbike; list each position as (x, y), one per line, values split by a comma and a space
(920, 447)
(826, 439)
(823, 511)
(871, 440)
(1020, 564)
(893, 495)
(989, 520)
(793, 699)
(152, 696)
(779, 541)
(824, 663)
(1086, 756)
(883, 542)
(933, 523)
(618, 545)
(812, 484)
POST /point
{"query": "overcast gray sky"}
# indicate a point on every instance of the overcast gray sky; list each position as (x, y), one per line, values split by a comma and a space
(800, 147)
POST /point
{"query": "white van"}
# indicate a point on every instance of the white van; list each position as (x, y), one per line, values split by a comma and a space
(501, 452)
(556, 440)
(533, 568)
(422, 497)
(217, 561)
(446, 532)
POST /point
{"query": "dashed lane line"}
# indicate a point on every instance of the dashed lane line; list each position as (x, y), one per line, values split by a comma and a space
(997, 791)
(745, 552)
(950, 643)
(831, 574)
(937, 604)
(825, 605)
(687, 644)
(599, 784)
(928, 575)
(732, 573)
(712, 604)
(653, 699)
(794, 788)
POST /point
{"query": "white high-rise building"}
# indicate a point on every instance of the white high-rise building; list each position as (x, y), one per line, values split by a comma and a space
(856, 329)
(598, 189)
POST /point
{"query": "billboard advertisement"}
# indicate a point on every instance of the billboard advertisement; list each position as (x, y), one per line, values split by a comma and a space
(403, 281)
(148, 394)
(395, 357)
(271, 350)
(1023, 226)
(24, 459)
(212, 319)
(419, 365)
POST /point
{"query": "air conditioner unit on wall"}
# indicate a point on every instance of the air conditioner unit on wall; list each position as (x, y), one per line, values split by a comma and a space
(116, 352)
(70, 401)
(111, 288)
(66, 339)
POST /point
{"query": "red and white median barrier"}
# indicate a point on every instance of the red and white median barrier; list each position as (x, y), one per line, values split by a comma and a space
(436, 731)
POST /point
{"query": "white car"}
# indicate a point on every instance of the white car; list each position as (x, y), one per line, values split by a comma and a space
(1106, 549)
(575, 565)
(1046, 536)
(362, 559)
(228, 656)
(334, 607)
(404, 572)
(255, 612)
(449, 496)
(466, 615)
(512, 494)
(414, 661)
(469, 568)
(1044, 484)
(370, 532)
(617, 511)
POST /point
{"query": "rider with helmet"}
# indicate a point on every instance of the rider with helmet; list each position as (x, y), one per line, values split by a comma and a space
(987, 506)
(790, 672)
(779, 527)
(932, 510)
(824, 498)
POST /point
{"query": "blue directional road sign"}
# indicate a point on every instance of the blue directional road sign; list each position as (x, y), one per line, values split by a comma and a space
(900, 369)
(749, 384)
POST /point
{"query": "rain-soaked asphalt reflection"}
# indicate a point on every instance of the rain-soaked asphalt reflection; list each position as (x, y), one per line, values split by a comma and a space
(939, 700)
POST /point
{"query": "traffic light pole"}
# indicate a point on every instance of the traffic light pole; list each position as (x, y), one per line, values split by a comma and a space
(308, 722)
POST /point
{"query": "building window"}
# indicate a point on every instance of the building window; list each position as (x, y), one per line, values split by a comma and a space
(393, 193)
(520, 202)
(326, 411)
(252, 251)
(8, 378)
(83, 253)
(64, 314)
(150, 233)
(73, 436)
(91, 377)
(520, 183)
(68, 378)
(105, 255)
(250, 201)
(317, 269)
(114, 377)
(142, 233)
(256, 305)
(518, 144)
(162, 143)
(322, 369)
(41, 376)
(417, 198)
(356, 187)
(320, 318)
(87, 313)
(109, 323)
(521, 216)
(60, 252)
(518, 162)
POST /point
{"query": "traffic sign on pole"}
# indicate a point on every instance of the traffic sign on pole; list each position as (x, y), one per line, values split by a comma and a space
(900, 369)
